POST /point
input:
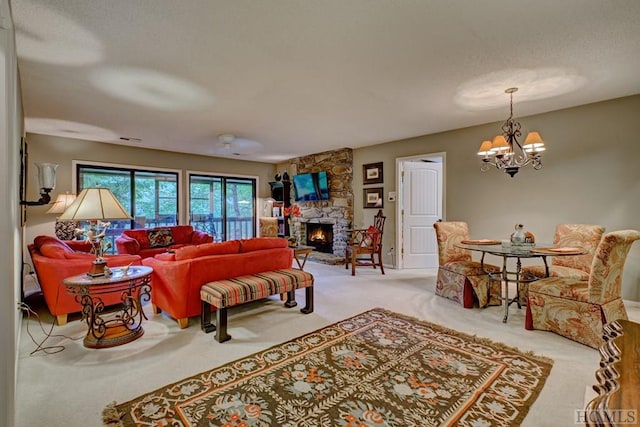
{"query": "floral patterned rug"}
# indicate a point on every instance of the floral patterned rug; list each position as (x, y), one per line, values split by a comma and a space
(378, 368)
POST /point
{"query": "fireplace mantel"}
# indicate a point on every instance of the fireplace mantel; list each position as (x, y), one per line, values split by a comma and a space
(321, 220)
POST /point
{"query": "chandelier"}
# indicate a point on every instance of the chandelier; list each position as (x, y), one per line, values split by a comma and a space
(506, 153)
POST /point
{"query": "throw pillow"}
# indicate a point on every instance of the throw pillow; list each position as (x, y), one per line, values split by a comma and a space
(370, 237)
(160, 238)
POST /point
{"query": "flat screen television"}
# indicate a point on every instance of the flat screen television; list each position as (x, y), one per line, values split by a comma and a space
(311, 186)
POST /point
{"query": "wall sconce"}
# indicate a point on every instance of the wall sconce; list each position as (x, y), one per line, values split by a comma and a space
(46, 183)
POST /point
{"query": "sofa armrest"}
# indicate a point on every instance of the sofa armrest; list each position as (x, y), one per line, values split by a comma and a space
(198, 237)
(127, 245)
(79, 245)
(123, 260)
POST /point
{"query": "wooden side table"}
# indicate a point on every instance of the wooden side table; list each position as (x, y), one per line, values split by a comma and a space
(300, 253)
(133, 285)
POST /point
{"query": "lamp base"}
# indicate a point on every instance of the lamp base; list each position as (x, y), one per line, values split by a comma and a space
(97, 268)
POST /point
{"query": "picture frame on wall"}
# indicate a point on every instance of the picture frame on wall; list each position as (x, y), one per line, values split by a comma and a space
(372, 173)
(372, 197)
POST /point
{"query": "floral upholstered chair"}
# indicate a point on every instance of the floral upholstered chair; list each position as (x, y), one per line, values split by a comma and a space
(579, 309)
(459, 277)
(585, 236)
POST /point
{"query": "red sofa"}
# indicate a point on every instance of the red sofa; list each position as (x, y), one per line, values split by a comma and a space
(54, 260)
(177, 277)
(148, 242)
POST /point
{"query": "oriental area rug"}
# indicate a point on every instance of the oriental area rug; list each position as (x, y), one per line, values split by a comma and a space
(377, 368)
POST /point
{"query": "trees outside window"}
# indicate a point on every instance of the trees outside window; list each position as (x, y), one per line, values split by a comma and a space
(150, 197)
(223, 206)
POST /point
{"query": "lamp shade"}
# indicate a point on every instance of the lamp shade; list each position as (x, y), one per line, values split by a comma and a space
(94, 204)
(63, 201)
(485, 148)
(500, 144)
(533, 142)
(47, 175)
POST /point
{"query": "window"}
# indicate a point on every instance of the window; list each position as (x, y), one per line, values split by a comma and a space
(151, 197)
(223, 206)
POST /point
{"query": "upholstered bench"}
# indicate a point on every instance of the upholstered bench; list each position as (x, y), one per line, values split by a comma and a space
(226, 293)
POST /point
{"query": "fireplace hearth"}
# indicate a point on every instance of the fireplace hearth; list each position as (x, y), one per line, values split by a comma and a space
(320, 236)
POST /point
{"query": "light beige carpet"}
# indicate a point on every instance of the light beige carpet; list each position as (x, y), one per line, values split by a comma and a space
(376, 368)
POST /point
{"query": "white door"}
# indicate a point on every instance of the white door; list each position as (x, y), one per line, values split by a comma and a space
(422, 206)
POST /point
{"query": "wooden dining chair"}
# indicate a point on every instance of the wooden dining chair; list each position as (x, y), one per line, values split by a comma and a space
(365, 246)
(459, 277)
(579, 309)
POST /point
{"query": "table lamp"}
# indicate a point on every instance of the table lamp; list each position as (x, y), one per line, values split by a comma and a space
(95, 205)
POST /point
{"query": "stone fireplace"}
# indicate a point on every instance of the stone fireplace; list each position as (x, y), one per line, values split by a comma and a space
(334, 216)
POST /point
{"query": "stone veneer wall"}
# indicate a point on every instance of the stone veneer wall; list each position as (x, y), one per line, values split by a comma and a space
(338, 210)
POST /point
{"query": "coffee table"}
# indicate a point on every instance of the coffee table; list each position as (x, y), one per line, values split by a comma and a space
(133, 285)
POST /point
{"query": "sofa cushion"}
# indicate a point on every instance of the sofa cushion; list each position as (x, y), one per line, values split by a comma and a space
(52, 247)
(79, 255)
(140, 235)
(182, 233)
(166, 256)
(160, 238)
(259, 243)
(188, 252)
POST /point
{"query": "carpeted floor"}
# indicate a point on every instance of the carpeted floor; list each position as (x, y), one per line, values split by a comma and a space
(376, 368)
(71, 388)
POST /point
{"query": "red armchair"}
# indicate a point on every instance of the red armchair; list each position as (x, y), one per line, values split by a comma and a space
(148, 242)
(54, 260)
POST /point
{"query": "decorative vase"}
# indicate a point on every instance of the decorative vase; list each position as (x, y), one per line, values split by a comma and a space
(285, 176)
(278, 177)
(518, 236)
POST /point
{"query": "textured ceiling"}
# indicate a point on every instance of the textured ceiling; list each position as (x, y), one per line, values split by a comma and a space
(292, 77)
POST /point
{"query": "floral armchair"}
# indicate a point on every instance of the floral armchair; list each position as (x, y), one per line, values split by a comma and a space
(585, 236)
(459, 277)
(579, 309)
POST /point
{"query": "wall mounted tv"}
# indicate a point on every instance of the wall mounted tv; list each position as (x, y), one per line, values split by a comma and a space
(310, 186)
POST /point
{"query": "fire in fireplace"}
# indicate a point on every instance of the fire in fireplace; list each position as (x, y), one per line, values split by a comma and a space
(320, 236)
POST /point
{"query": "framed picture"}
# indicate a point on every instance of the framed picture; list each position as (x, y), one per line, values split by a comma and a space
(372, 173)
(373, 197)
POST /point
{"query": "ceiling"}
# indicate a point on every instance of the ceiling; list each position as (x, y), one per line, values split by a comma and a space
(292, 77)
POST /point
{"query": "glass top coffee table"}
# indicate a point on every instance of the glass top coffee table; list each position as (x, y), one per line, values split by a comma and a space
(516, 276)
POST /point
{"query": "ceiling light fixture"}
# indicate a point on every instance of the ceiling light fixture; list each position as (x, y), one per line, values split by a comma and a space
(502, 154)
(226, 139)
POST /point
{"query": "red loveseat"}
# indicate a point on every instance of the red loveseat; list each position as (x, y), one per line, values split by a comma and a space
(148, 242)
(177, 277)
(54, 260)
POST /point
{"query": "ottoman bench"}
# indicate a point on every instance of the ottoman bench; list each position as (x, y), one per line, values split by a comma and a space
(226, 293)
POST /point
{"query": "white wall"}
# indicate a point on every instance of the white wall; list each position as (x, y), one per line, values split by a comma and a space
(10, 228)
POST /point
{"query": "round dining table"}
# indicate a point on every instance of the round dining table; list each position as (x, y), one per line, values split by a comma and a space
(517, 276)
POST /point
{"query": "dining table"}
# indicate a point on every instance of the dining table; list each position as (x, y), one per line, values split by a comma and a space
(506, 250)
